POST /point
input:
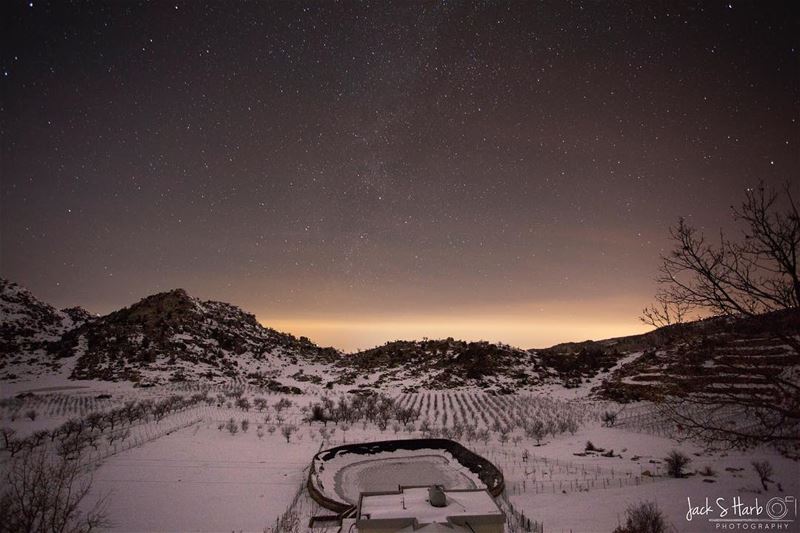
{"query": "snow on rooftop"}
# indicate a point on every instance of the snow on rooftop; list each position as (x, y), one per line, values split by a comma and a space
(412, 502)
(434, 528)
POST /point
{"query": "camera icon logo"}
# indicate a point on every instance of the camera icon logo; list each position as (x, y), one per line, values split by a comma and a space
(778, 508)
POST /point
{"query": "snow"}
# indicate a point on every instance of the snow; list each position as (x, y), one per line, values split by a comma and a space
(203, 479)
(350, 474)
(562, 508)
(413, 502)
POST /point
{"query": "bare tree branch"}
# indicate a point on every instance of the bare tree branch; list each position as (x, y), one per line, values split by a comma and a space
(746, 277)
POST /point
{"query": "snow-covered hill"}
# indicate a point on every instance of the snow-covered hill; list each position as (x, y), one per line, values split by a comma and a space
(444, 364)
(28, 328)
(171, 336)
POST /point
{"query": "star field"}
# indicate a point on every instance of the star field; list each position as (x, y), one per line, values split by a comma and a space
(359, 172)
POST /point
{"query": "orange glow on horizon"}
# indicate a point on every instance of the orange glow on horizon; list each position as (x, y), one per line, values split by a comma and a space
(362, 333)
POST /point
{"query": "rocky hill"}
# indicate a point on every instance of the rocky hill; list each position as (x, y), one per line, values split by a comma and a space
(445, 363)
(172, 336)
(28, 328)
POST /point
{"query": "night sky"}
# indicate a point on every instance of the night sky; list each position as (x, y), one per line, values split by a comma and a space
(362, 172)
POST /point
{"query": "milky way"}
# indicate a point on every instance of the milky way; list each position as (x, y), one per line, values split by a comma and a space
(363, 172)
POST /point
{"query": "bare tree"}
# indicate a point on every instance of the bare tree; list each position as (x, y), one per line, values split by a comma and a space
(119, 435)
(260, 403)
(43, 492)
(764, 471)
(288, 430)
(745, 277)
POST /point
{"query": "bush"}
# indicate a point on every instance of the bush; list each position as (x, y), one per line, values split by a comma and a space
(232, 426)
(609, 418)
(764, 471)
(245, 425)
(243, 404)
(676, 462)
(643, 518)
(707, 471)
(288, 430)
(318, 414)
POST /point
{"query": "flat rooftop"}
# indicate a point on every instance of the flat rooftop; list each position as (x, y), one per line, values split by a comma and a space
(412, 502)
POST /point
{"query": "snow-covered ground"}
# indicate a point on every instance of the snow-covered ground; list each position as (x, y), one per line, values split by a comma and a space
(203, 479)
(190, 472)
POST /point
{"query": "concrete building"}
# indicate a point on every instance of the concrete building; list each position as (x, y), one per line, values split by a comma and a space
(429, 509)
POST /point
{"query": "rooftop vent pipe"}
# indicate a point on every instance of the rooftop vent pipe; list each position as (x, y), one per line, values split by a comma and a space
(436, 496)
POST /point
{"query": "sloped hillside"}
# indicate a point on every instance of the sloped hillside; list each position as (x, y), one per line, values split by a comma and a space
(721, 358)
(443, 364)
(172, 336)
(28, 327)
(576, 363)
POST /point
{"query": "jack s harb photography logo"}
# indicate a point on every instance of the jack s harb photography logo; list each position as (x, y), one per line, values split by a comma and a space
(737, 513)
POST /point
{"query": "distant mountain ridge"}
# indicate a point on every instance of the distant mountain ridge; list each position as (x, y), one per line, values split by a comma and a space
(172, 337)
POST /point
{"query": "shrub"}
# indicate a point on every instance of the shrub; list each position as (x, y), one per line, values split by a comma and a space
(245, 425)
(32, 414)
(243, 404)
(764, 471)
(707, 471)
(288, 430)
(609, 418)
(676, 462)
(318, 414)
(643, 518)
(232, 426)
